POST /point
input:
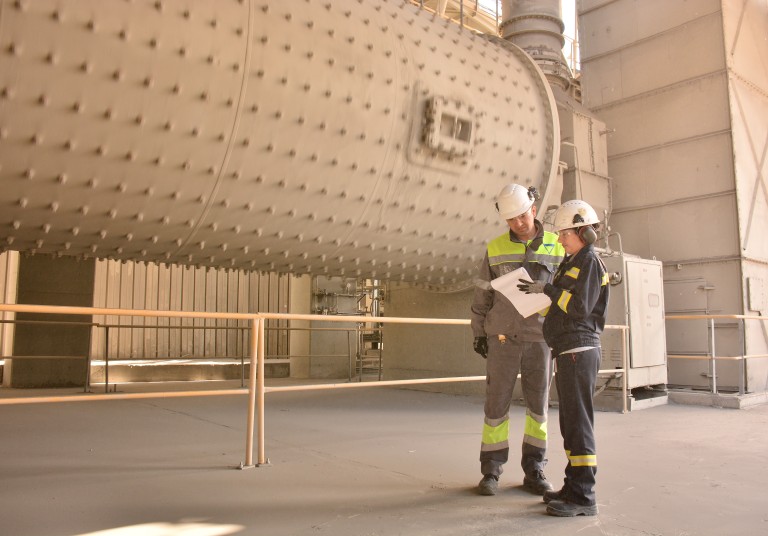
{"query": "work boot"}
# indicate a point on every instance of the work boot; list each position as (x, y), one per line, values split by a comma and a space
(569, 509)
(536, 482)
(554, 495)
(488, 485)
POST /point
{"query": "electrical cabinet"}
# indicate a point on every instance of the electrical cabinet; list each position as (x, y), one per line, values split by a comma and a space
(637, 301)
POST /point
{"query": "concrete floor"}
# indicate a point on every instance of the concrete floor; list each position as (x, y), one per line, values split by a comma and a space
(368, 462)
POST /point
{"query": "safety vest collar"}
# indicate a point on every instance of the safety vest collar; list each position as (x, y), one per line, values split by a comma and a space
(504, 250)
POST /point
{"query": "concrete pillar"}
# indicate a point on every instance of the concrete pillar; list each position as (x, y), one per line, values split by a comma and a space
(60, 351)
(300, 298)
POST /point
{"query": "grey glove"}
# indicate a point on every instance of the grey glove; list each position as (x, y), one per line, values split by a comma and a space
(481, 346)
(531, 287)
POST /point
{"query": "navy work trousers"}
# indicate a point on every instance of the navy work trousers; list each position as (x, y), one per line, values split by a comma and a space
(575, 379)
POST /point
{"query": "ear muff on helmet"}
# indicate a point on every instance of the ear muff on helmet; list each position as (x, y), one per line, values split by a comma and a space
(587, 234)
(574, 214)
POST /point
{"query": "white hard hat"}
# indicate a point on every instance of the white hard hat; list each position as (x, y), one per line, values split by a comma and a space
(575, 213)
(514, 200)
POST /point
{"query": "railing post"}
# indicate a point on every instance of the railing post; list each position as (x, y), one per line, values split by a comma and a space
(256, 394)
(252, 392)
(87, 384)
(358, 353)
(260, 357)
(106, 359)
(712, 354)
(742, 364)
(349, 354)
(242, 358)
(624, 367)
(380, 348)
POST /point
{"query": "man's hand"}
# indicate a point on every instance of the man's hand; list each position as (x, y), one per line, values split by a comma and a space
(481, 346)
(531, 287)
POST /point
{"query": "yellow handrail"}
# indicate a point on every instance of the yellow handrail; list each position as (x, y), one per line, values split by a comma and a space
(257, 389)
(711, 343)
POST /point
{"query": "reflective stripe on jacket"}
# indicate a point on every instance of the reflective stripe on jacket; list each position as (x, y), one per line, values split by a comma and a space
(579, 294)
(492, 313)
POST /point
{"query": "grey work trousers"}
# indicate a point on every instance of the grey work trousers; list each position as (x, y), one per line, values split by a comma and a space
(532, 360)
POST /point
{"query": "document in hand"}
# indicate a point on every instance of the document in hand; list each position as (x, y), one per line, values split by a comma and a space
(526, 304)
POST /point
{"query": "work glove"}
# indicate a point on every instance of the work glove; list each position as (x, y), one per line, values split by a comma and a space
(531, 287)
(481, 346)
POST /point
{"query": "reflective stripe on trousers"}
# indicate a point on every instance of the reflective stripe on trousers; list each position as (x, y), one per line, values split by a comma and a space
(504, 362)
(576, 377)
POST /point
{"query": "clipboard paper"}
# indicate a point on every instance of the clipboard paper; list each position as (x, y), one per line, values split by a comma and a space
(526, 304)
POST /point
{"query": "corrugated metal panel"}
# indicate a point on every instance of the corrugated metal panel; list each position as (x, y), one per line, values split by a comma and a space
(283, 301)
(125, 301)
(151, 295)
(99, 300)
(169, 287)
(242, 307)
(112, 297)
(138, 301)
(198, 304)
(263, 300)
(170, 278)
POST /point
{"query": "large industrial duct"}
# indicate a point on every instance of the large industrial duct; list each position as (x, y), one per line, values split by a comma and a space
(537, 27)
(359, 138)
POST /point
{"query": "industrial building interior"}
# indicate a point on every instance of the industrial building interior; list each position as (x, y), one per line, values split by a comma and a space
(339, 158)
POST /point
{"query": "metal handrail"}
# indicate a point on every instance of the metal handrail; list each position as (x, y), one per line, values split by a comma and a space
(256, 388)
(711, 346)
(88, 358)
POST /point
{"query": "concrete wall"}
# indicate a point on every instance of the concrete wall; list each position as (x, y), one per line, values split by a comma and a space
(427, 351)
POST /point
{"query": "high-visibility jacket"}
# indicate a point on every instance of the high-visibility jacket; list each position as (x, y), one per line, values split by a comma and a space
(579, 294)
(494, 314)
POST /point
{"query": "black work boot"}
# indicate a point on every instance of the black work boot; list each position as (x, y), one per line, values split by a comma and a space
(536, 482)
(488, 485)
(569, 509)
(553, 495)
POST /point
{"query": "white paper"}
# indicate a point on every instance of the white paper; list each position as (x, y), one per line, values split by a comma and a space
(526, 304)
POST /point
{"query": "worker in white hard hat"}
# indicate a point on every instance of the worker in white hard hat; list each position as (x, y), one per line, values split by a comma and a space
(511, 343)
(572, 327)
